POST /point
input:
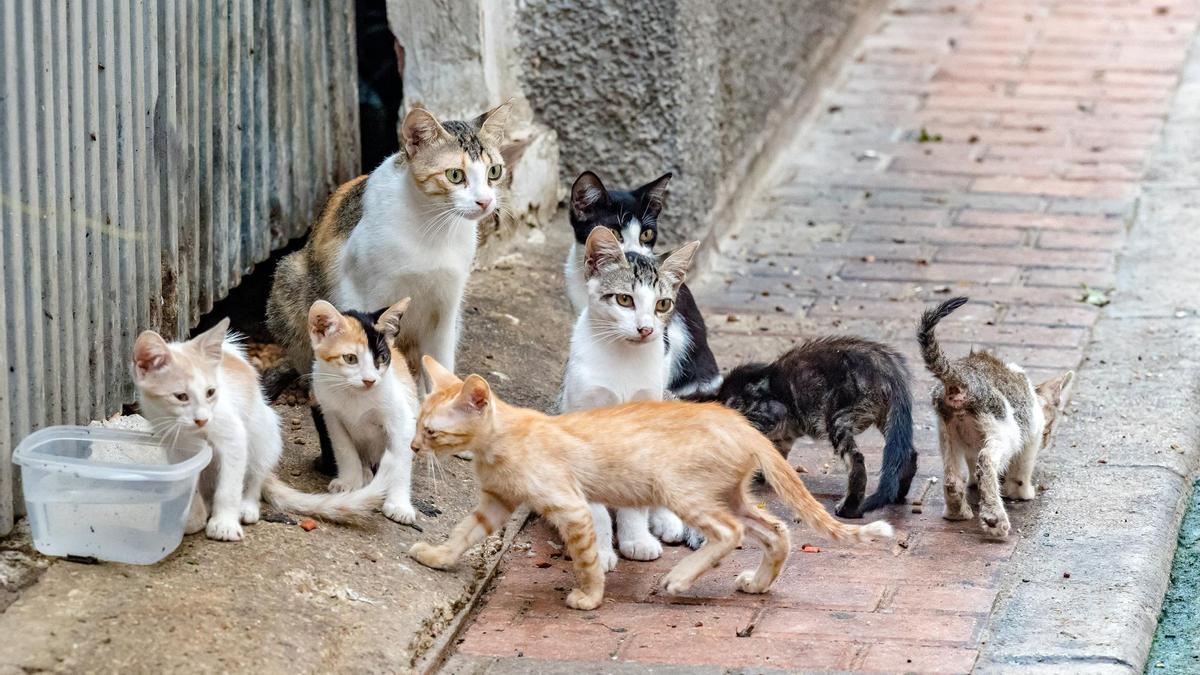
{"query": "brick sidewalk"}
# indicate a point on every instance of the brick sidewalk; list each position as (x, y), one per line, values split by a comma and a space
(991, 149)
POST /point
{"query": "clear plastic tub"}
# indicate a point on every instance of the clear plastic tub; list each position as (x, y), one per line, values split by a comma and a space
(111, 494)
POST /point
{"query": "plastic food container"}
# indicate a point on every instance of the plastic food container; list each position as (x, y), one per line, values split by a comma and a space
(111, 494)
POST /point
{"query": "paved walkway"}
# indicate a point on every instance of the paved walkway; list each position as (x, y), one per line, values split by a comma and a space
(991, 149)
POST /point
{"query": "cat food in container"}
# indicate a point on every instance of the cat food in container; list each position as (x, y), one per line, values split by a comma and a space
(111, 494)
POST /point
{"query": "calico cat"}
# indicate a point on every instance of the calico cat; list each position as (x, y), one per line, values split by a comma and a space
(614, 455)
(835, 388)
(617, 356)
(633, 218)
(991, 416)
(407, 229)
(369, 400)
(205, 388)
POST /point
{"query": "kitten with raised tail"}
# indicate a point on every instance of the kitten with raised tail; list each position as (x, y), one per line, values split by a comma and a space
(834, 388)
(617, 356)
(633, 217)
(696, 459)
(990, 417)
(369, 399)
(204, 388)
(408, 229)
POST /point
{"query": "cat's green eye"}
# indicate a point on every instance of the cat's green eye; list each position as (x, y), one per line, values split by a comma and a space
(495, 171)
(455, 175)
(647, 235)
(212, 391)
(664, 305)
(350, 359)
(624, 300)
(182, 397)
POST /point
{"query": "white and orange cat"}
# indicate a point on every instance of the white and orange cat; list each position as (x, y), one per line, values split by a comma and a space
(205, 389)
(557, 465)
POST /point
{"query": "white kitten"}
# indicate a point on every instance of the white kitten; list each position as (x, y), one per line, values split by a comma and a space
(617, 356)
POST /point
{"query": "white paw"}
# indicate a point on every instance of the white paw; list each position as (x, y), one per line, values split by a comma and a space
(250, 512)
(222, 529)
(673, 584)
(667, 526)
(747, 584)
(400, 511)
(345, 484)
(607, 559)
(994, 524)
(642, 548)
(694, 539)
(1020, 491)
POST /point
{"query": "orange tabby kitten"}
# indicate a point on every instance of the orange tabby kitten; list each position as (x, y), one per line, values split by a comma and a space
(557, 465)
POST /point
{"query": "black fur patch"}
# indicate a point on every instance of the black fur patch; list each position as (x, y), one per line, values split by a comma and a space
(466, 136)
(379, 345)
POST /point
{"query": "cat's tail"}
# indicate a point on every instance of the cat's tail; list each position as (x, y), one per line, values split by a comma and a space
(276, 379)
(350, 508)
(899, 455)
(931, 351)
(783, 479)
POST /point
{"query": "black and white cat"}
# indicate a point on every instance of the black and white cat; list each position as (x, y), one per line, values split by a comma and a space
(633, 217)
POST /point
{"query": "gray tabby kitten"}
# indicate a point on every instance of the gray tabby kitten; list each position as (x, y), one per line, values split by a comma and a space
(991, 416)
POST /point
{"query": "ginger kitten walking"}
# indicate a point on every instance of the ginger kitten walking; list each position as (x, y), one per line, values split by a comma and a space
(557, 465)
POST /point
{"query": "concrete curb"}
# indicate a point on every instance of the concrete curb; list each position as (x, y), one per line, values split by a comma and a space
(1121, 469)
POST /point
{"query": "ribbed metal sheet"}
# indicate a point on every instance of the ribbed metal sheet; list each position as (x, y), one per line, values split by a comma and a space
(151, 152)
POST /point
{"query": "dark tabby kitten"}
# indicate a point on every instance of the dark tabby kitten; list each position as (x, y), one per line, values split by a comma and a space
(835, 388)
(633, 217)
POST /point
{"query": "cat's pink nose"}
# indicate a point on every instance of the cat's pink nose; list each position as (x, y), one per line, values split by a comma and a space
(199, 422)
(483, 204)
(368, 383)
(414, 447)
(645, 331)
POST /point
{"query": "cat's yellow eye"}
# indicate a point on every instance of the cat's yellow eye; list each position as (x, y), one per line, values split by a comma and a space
(212, 391)
(455, 175)
(350, 359)
(495, 171)
(624, 300)
(647, 235)
(182, 397)
(664, 305)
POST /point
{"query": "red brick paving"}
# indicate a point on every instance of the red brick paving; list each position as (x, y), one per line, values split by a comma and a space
(1046, 111)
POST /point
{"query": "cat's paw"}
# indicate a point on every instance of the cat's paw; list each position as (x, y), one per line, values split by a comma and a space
(430, 556)
(400, 511)
(250, 513)
(222, 529)
(607, 559)
(577, 599)
(1021, 491)
(345, 483)
(848, 510)
(667, 526)
(196, 522)
(642, 548)
(694, 540)
(747, 583)
(674, 583)
(995, 525)
(960, 512)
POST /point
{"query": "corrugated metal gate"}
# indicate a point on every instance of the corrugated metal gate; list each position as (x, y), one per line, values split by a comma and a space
(151, 152)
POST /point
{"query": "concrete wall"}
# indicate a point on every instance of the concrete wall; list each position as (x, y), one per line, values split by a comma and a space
(697, 87)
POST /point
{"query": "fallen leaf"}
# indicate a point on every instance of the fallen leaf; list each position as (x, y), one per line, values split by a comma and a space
(1095, 296)
(308, 524)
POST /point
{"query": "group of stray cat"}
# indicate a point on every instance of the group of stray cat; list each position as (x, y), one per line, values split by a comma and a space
(648, 426)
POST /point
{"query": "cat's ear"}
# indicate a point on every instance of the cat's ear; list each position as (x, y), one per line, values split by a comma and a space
(677, 263)
(211, 341)
(652, 195)
(389, 321)
(602, 250)
(323, 320)
(491, 124)
(1051, 391)
(587, 195)
(438, 375)
(150, 353)
(419, 129)
(475, 395)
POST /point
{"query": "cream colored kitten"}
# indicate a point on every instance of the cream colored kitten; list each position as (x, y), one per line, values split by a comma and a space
(557, 465)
